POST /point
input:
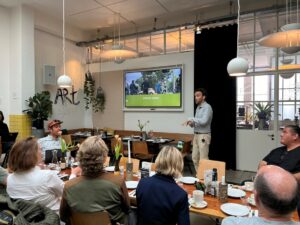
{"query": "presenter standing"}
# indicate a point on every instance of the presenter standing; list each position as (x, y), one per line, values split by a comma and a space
(201, 124)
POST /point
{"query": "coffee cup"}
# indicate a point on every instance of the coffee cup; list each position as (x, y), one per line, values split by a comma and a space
(198, 197)
(249, 186)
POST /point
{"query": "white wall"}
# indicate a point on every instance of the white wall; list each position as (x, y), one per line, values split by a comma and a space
(4, 60)
(159, 121)
(48, 51)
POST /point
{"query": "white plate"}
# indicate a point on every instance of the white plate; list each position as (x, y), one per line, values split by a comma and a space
(235, 209)
(201, 206)
(131, 184)
(188, 180)
(236, 193)
(110, 168)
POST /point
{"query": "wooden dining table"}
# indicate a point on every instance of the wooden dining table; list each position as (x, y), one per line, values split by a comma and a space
(213, 209)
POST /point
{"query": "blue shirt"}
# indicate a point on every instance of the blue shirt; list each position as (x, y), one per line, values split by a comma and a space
(203, 118)
(160, 201)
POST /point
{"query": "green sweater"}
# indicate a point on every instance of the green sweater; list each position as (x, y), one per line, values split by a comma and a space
(105, 192)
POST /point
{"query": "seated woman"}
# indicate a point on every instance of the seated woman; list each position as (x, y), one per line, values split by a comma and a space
(160, 201)
(95, 190)
(28, 181)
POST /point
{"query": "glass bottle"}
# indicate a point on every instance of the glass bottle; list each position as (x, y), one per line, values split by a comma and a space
(54, 157)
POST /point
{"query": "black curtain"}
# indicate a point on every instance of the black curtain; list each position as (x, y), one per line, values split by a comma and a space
(214, 48)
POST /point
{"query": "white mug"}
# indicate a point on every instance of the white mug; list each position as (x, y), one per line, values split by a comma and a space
(198, 197)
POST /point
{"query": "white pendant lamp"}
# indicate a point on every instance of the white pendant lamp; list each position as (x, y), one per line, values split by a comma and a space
(288, 39)
(118, 53)
(238, 66)
(64, 81)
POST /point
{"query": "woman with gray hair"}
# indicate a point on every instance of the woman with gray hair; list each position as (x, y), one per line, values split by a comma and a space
(95, 190)
(160, 200)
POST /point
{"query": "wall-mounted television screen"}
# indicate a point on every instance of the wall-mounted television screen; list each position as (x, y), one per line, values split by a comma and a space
(153, 88)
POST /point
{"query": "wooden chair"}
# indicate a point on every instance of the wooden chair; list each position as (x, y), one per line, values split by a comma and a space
(136, 164)
(141, 152)
(96, 218)
(106, 163)
(186, 150)
(205, 164)
(67, 138)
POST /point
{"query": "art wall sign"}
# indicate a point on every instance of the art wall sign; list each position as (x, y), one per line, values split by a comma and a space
(66, 96)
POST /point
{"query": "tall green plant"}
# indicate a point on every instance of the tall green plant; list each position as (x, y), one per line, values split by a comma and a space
(40, 108)
(263, 111)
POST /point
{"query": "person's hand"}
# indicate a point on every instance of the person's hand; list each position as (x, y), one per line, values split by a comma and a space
(76, 171)
(185, 123)
(188, 123)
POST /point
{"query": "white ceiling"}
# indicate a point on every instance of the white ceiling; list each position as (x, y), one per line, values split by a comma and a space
(93, 15)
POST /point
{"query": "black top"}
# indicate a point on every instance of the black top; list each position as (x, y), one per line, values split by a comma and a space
(288, 160)
(4, 132)
(161, 201)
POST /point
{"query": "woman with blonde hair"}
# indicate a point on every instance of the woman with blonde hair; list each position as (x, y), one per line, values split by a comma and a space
(95, 190)
(28, 181)
(160, 200)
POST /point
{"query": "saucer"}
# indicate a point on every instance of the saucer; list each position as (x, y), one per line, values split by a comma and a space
(201, 206)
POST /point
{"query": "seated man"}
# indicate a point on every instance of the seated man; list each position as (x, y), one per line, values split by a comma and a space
(287, 156)
(276, 197)
(52, 141)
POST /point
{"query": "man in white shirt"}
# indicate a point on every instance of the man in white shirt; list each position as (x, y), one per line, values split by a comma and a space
(276, 198)
(53, 140)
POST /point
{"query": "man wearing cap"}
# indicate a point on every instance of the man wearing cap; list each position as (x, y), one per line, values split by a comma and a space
(52, 141)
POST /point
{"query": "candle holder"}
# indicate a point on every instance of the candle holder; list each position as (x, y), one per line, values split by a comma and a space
(129, 168)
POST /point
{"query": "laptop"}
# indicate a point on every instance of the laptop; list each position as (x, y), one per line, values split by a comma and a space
(13, 136)
(49, 155)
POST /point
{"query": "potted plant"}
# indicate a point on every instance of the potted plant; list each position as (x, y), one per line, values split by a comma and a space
(93, 96)
(263, 113)
(40, 108)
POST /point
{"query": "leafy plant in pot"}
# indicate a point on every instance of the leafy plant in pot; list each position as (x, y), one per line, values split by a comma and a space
(40, 108)
(263, 113)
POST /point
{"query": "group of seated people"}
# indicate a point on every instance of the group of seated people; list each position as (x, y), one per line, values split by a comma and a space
(160, 201)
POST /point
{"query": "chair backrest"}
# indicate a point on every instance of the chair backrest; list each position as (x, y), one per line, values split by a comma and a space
(67, 138)
(96, 218)
(140, 147)
(106, 163)
(205, 164)
(135, 162)
(186, 149)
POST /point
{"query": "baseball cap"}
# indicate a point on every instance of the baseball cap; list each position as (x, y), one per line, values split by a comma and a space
(51, 123)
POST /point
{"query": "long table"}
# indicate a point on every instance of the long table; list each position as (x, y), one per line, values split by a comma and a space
(213, 204)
